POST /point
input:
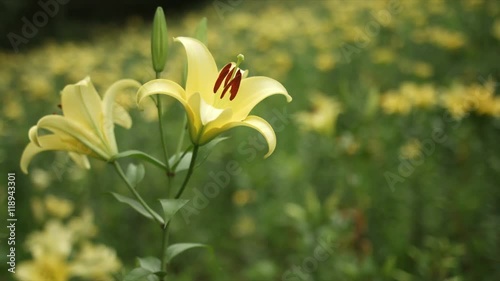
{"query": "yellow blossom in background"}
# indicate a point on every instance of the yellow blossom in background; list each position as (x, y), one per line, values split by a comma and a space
(83, 226)
(325, 61)
(63, 251)
(245, 226)
(58, 207)
(481, 97)
(423, 96)
(411, 149)
(395, 103)
(12, 109)
(243, 196)
(95, 262)
(423, 70)
(455, 101)
(46, 268)
(55, 240)
(323, 115)
(383, 55)
(495, 29)
(37, 86)
(40, 178)
(37, 209)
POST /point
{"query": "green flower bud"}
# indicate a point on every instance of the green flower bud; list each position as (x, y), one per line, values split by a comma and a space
(159, 41)
(201, 31)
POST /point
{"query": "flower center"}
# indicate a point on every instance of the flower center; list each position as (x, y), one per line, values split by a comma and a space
(231, 75)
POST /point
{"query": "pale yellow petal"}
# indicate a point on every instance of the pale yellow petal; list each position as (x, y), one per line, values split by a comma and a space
(113, 113)
(82, 104)
(49, 142)
(111, 109)
(252, 91)
(202, 70)
(163, 87)
(259, 124)
(121, 116)
(33, 135)
(81, 160)
(67, 129)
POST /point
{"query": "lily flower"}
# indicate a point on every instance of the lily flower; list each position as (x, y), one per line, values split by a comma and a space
(216, 101)
(86, 126)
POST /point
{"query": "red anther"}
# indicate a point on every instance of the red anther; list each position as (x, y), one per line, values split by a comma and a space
(235, 85)
(228, 77)
(222, 75)
(225, 90)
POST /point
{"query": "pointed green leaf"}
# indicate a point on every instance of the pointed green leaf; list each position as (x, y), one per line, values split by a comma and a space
(135, 173)
(201, 32)
(150, 263)
(207, 149)
(140, 155)
(183, 163)
(137, 274)
(171, 206)
(175, 249)
(135, 205)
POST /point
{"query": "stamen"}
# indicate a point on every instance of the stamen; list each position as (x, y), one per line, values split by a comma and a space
(229, 77)
(222, 75)
(232, 76)
(235, 85)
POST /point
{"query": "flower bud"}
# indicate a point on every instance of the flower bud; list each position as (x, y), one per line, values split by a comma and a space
(159, 41)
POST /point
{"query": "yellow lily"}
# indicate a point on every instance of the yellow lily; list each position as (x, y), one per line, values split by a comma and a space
(86, 126)
(216, 101)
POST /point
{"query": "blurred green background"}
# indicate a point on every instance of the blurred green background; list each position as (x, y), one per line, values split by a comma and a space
(388, 155)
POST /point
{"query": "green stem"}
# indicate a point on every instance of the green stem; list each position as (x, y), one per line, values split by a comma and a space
(164, 246)
(137, 195)
(189, 172)
(181, 139)
(160, 123)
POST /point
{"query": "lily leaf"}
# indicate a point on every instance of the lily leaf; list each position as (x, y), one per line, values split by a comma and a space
(135, 205)
(183, 163)
(176, 249)
(137, 274)
(150, 263)
(140, 155)
(207, 149)
(171, 206)
(135, 173)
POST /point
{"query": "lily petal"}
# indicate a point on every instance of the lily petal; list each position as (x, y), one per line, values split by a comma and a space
(252, 91)
(164, 87)
(81, 160)
(202, 69)
(113, 113)
(65, 128)
(119, 115)
(82, 104)
(48, 142)
(262, 126)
